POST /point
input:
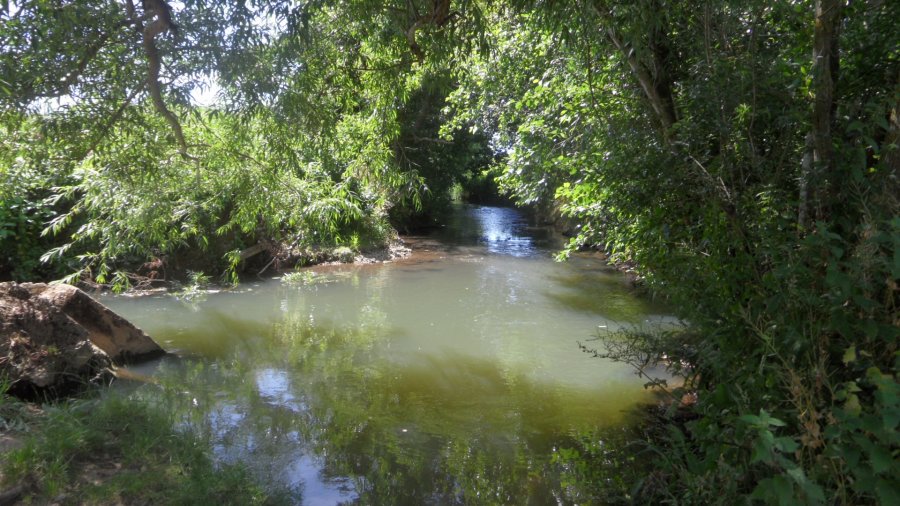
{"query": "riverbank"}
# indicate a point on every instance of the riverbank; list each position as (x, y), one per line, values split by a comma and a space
(152, 278)
(108, 448)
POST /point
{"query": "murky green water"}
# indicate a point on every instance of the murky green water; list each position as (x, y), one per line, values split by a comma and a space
(450, 377)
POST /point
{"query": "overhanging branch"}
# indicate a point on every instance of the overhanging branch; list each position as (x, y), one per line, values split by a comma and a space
(159, 14)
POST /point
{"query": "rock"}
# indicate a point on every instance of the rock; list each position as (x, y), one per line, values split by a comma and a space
(343, 254)
(122, 341)
(12, 495)
(55, 339)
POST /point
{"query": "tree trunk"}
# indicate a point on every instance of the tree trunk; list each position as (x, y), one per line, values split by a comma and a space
(654, 77)
(819, 165)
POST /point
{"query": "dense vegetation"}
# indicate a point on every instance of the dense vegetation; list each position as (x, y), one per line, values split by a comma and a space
(743, 155)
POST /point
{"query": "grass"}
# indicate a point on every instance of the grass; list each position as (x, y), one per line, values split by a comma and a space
(112, 449)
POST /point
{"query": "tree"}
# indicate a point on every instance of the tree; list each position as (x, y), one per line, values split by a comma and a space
(675, 138)
(308, 114)
(753, 186)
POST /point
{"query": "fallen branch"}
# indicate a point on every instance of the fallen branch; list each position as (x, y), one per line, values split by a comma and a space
(253, 251)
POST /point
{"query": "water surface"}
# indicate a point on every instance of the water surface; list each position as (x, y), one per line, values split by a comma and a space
(453, 376)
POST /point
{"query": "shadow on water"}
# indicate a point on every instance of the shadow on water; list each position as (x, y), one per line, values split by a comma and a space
(590, 287)
(600, 293)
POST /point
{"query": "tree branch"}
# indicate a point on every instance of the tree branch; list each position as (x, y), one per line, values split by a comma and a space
(657, 90)
(439, 16)
(116, 116)
(161, 15)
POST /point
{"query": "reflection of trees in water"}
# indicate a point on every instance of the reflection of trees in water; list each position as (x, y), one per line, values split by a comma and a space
(449, 430)
(598, 292)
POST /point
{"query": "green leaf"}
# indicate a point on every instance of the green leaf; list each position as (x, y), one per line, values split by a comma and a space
(849, 355)
(775, 490)
(852, 406)
(786, 444)
(888, 491)
(881, 459)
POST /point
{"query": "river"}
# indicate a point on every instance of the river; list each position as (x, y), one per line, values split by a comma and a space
(453, 376)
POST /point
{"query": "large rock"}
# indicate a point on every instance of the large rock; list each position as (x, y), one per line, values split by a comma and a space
(54, 339)
(122, 341)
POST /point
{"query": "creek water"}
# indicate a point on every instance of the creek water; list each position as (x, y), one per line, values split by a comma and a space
(453, 376)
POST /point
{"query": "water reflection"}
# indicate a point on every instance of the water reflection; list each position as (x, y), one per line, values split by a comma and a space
(452, 379)
(337, 419)
(497, 230)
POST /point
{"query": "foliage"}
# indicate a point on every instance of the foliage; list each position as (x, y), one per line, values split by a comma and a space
(14, 415)
(313, 278)
(751, 184)
(27, 201)
(601, 467)
(195, 289)
(294, 153)
(441, 161)
(300, 278)
(674, 136)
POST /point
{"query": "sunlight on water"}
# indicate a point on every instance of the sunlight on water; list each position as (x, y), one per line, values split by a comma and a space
(452, 373)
